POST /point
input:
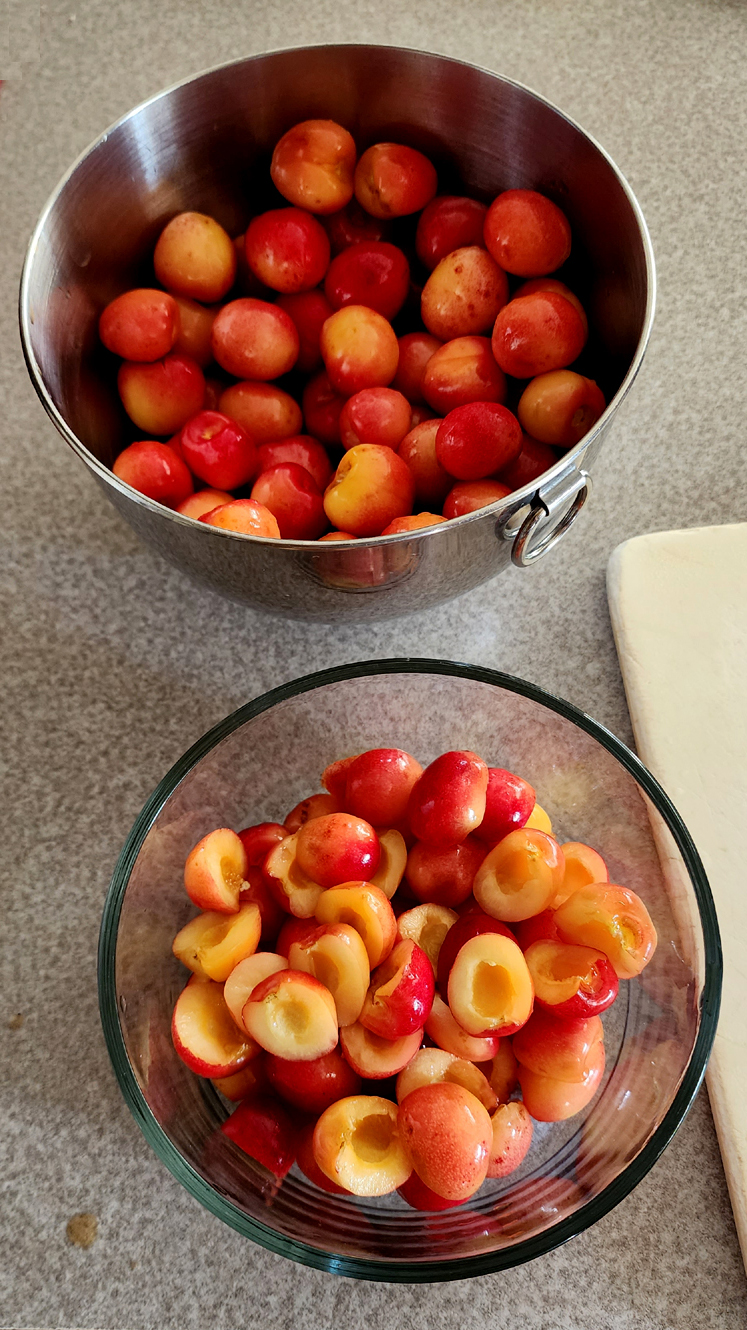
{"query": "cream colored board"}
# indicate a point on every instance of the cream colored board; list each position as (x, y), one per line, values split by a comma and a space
(678, 602)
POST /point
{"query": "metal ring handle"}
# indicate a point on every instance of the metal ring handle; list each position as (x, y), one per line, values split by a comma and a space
(521, 553)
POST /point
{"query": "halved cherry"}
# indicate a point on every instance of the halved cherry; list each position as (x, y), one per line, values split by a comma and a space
(213, 944)
(400, 995)
(433, 1064)
(612, 919)
(375, 1058)
(335, 954)
(204, 1033)
(427, 925)
(392, 862)
(448, 1034)
(245, 977)
(570, 980)
(367, 909)
(215, 870)
(490, 987)
(520, 875)
(357, 1143)
(292, 1015)
(583, 867)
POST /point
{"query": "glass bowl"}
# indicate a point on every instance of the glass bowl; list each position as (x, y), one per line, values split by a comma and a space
(255, 766)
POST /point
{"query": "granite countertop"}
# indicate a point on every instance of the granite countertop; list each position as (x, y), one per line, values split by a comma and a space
(112, 663)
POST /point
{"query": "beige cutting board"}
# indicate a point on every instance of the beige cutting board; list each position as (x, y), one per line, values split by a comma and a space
(678, 601)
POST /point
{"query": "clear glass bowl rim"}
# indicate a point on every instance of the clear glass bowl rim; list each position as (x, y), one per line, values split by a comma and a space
(464, 1267)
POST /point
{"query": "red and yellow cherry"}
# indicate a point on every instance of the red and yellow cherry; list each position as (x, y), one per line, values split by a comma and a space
(287, 249)
(200, 503)
(393, 180)
(427, 925)
(512, 1137)
(448, 800)
(443, 874)
(448, 1134)
(537, 333)
(338, 848)
(266, 412)
(254, 339)
(312, 1086)
(468, 496)
(195, 257)
(559, 408)
(463, 294)
(432, 1065)
(583, 867)
(245, 977)
(155, 469)
(527, 234)
(551, 1100)
(463, 370)
(358, 1145)
(218, 451)
(359, 349)
(214, 943)
(418, 451)
(477, 439)
(375, 1058)
(449, 1035)
(378, 784)
(204, 1033)
(293, 1015)
(293, 497)
(366, 908)
(215, 870)
(162, 395)
(335, 954)
(246, 517)
(447, 223)
(372, 486)
(140, 325)
(371, 273)
(612, 919)
(375, 415)
(313, 164)
(415, 522)
(560, 1050)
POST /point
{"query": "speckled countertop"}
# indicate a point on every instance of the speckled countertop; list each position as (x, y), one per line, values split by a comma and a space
(111, 664)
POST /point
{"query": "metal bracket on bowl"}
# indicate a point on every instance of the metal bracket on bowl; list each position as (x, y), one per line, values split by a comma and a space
(551, 501)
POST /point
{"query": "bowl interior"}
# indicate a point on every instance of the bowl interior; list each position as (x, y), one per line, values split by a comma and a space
(255, 767)
(206, 145)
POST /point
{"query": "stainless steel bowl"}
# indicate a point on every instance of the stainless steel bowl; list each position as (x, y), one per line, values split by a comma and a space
(205, 144)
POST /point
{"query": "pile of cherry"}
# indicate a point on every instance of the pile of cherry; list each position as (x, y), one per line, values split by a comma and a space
(417, 924)
(307, 358)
